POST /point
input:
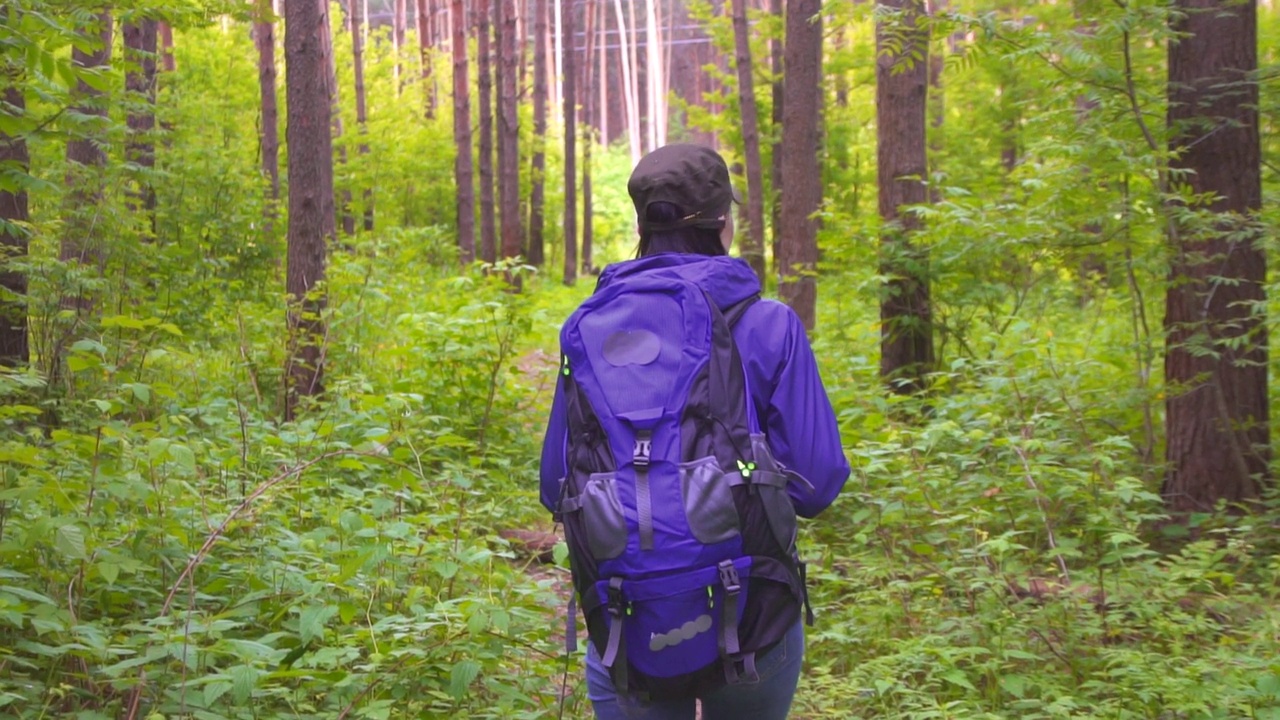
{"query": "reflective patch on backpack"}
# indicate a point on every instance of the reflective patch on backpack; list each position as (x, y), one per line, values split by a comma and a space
(687, 631)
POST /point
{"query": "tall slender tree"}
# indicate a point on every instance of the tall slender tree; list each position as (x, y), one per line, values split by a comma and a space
(508, 132)
(484, 57)
(311, 204)
(538, 163)
(463, 173)
(14, 157)
(902, 66)
(362, 109)
(399, 22)
(626, 53)
(776, 59)
(140, 85)
(264, 38)
(335, 120)
(753, 246)
(426, 39)
(570, 151)
(1216, 357)
(588, 139)
(801, 175)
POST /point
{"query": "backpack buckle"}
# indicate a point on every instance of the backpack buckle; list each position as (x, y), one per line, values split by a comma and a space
(617, 604)
(643, 448)
(729, 577)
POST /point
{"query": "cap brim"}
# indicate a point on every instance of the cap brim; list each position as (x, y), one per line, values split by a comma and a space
(737, 196)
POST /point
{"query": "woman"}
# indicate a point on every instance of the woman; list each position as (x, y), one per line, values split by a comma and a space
(683, 200)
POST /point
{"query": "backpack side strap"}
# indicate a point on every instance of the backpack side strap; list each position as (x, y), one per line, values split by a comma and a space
(734, 312)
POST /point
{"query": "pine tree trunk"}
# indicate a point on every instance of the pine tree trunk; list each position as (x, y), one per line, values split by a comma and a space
(626, 52)
(801, 175)
(1216, 357)
(140, 83)
(488, 221)
(167, 60)
(336, 124)
(588, 139)
(463, 173)
(398, 25)
(311, 204)
(84, 180)
(753, 243)
(777, 9)
(264, 37)
(426, 22)
(602, 77)
(14, 340)
(508, 132)
(906, 338)
(570, 148)
(362, 111)
(537, 195)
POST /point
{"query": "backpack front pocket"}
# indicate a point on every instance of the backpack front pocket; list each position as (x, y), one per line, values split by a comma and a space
(708, 501)
(603, 520)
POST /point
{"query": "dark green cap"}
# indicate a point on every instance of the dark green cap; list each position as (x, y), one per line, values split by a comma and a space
(694, 178)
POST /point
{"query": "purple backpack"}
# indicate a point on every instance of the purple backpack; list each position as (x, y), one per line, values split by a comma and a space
(681, 535)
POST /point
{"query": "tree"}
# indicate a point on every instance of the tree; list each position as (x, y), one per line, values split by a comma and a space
(14, 164)
(140, 85)
(264, 37)
(463, 174)
(335, 120)
(426, 38)
(538, 163)
(776, 8)
(630, 96)
(570, 148)
(399, 22)
(508, 131)
(588, 208)
(1217, 424)
(753, 245)
(311, 203)
(362, 110)
(902, 65)
(488, 224)
(801, 175)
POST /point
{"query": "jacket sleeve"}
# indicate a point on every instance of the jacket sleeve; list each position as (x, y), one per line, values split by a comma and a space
(552, 468)
(801, 426)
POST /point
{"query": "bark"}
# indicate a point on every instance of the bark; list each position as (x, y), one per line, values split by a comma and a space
(311, 206)
(902, 64)
(167, 60)
(488, 222)
(335, 119)
(626, 51)
(14, 339)
(508, 132)
(140, 83)
(753, 239)
(463, 174)
(85, 161)
(264, 37)
(398, 25)
(602, 76)
(801, 175)
(588, 207)
(362, 110)
(776, 8)
(570, 147)
(426, 37)
(1217, 417)
(538, 164)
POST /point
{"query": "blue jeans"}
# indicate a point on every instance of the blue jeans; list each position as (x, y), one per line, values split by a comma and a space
(767, 699)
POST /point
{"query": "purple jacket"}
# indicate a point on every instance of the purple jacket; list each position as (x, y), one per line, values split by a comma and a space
(781, 372)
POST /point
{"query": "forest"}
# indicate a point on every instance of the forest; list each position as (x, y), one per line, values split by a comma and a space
(279, 309)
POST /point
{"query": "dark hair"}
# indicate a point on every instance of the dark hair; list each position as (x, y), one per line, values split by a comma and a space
(693, 240)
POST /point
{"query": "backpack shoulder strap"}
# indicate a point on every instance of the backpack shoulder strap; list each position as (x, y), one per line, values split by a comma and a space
(734, 312)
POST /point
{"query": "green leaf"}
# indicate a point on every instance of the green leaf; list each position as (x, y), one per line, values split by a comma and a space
(182, 455)
(461, 676)
(214, 690)
(109, 572)
(312, 621)
(243, 680)
(69, 540)
(560, 553)
(957, 677)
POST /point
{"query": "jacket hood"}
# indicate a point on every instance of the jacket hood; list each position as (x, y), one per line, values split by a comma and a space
(726, 279)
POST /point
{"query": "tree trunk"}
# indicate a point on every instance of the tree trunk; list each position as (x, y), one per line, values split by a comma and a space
(1216, 358)
(602, 77)
(398, 25)
(537, 196)
(906, 338)
(488, 222)
(84, 179)
(777, 9)
(753, 242)
(264, 36)
(167, 60)
(801, 175)
(463, 174)
(570, 148)
(335, 119)
(140, 84)
(14, 340)
(362, 111)
(508, 132)
(426, 21)
(311, 210)
(627, 54)
(588, 138)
